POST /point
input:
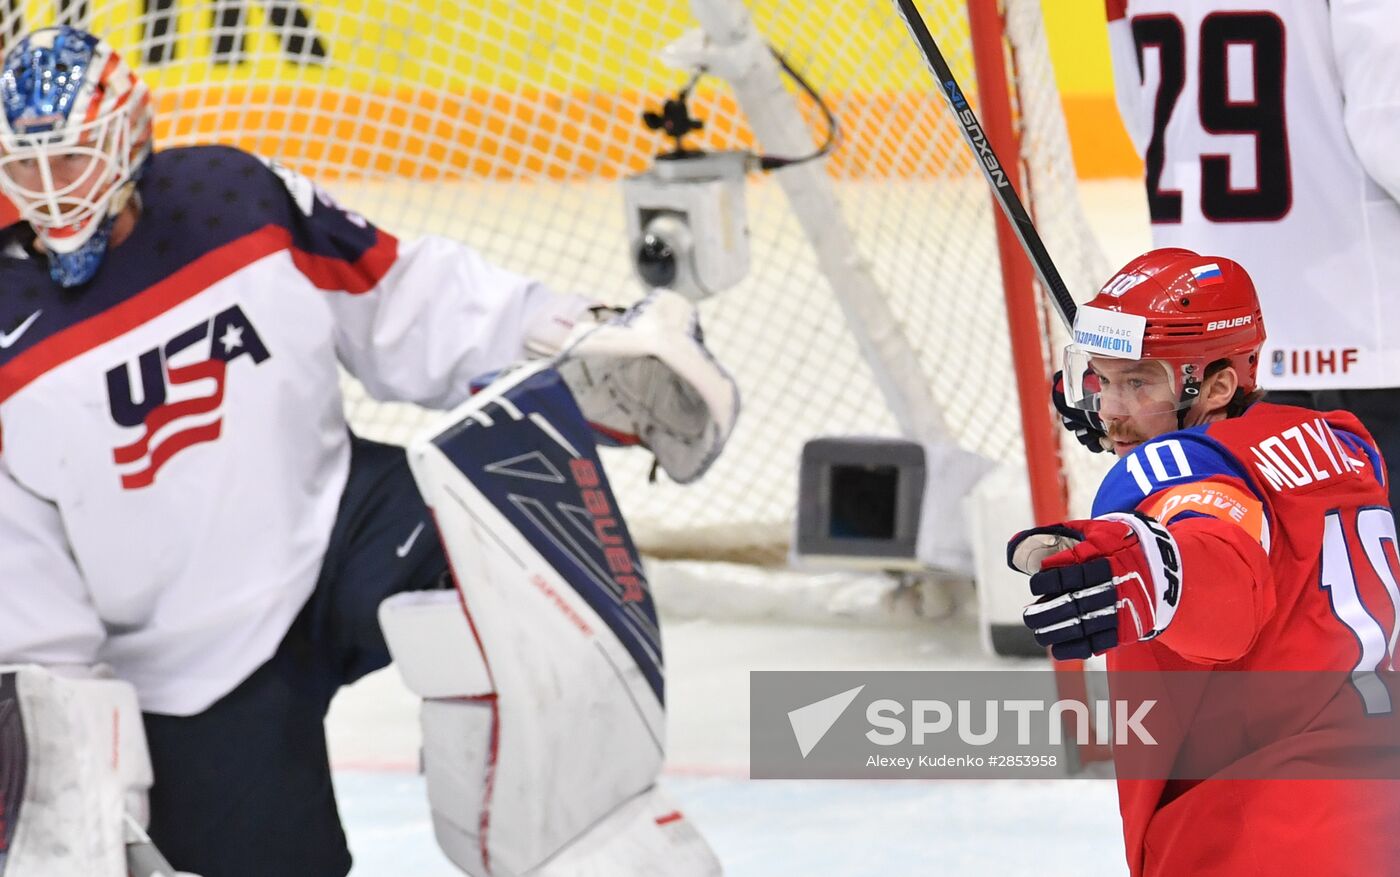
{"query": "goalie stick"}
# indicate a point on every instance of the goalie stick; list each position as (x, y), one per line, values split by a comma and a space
(992, 168)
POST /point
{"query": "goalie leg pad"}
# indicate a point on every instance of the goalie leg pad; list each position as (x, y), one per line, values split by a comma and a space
(437, 654)
(73, 765)
(646, 835)
(559, 723)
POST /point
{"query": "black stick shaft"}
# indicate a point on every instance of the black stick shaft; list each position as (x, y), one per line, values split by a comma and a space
(992, 168)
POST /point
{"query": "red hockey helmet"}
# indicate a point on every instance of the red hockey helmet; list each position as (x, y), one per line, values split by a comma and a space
(1174, 306)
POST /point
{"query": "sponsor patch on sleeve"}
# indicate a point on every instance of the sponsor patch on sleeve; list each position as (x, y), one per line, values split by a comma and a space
(1218, 499)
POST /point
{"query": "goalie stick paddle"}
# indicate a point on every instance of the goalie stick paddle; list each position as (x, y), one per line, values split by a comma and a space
(992, 167)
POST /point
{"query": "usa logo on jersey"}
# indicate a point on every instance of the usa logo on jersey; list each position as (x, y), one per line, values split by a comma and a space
(178, 392)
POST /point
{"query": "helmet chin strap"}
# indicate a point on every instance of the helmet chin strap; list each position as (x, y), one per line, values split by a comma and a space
(1181, 417)
(1190, 392)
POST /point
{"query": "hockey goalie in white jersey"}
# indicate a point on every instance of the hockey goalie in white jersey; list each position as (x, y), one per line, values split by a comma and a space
(195, 549)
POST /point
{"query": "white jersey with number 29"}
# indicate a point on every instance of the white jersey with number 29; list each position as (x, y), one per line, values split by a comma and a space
(1270, 131)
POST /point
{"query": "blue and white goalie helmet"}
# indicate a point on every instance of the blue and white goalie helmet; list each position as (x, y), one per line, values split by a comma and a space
(75, 133)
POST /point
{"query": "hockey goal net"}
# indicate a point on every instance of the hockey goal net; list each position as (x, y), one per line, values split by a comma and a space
(508, 123)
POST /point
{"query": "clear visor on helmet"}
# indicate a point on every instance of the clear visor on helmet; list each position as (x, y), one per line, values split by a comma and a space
(63, 181)
(1129, 387)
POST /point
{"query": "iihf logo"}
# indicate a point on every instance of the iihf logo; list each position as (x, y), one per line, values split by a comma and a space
(179, 393)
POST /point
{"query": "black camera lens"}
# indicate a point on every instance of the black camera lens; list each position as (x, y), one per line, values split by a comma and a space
(656, 261)
(864, 500)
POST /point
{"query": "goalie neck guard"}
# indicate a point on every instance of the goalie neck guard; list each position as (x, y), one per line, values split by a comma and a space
(74, 136)
(1172, 306)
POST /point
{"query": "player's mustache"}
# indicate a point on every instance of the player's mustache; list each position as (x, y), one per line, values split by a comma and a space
(1123, 434)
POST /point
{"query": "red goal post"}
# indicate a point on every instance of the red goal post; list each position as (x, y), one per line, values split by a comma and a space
(1027, 316)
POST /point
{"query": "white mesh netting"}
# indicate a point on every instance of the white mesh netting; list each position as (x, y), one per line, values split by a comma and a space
(506, 124)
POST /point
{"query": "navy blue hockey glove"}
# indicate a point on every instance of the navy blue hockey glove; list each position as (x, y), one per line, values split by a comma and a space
(1101, 583)
(1086, 425)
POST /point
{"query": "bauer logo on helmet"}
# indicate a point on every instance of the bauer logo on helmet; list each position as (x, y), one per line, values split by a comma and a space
(1215, 325)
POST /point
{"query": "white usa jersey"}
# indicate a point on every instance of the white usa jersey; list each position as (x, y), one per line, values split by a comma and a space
(172, 442)
(1270, 130)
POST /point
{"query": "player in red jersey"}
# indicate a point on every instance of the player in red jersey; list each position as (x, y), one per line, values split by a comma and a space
(1232, 535)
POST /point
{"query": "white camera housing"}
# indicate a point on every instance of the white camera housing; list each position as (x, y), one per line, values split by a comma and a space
(686, 222)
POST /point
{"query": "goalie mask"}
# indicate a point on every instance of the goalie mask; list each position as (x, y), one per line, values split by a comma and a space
(1175, 312)
(75, 133)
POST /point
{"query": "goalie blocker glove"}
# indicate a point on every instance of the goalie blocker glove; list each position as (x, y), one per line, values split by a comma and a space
(1101, 583)
(1086, 425)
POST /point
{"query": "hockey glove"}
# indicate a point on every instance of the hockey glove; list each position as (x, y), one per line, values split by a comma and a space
(645, 377)
(1086, 425)
(1101, 583)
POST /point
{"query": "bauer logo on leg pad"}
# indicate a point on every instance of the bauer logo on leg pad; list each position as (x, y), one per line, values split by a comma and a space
(530, 452)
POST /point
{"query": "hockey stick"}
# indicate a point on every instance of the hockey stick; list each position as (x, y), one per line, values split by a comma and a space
(1070, 680)
(992, 167)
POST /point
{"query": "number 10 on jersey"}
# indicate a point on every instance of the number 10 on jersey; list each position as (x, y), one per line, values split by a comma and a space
(1359, 570)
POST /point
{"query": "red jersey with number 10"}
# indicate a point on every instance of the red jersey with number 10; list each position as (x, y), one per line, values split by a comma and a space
(1289, 553)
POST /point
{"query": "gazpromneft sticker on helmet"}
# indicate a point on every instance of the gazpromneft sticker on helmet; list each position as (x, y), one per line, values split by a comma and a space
(1109, 333)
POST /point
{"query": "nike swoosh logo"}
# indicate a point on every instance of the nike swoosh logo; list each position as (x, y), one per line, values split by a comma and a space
(9, 338)
(402, 550)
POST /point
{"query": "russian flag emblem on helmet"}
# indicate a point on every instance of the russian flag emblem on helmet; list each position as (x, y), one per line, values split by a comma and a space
(1208, 274)
(74, 136)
